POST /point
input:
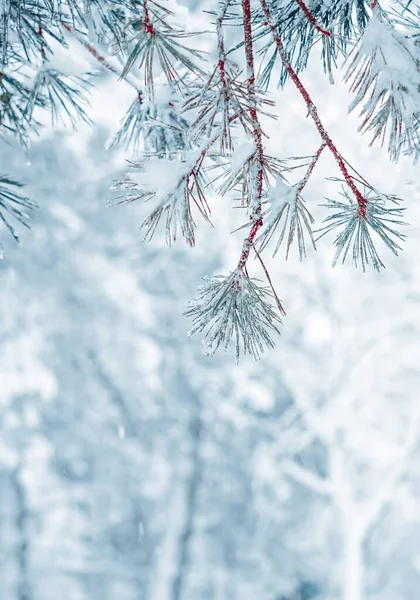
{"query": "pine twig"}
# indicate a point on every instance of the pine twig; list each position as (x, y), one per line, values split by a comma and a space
(313, 112)
(256, 214)
(312, 20)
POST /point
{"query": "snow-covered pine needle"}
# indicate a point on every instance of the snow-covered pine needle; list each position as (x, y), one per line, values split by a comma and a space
(153, 127)
(236, 307)
(172, 187)
(222, 103)
(382, 216)
(61, 94)
(286, 212)
(14, 95)
(13, 204)
(154, 40)
(334, 24)
(238, 174)
(385, 78)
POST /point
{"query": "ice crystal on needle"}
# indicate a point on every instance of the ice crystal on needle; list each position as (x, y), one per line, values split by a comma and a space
(236, 307)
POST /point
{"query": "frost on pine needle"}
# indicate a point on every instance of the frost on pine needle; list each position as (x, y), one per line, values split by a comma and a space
(385, 78)
(239, 172)
(152, 42)
(172, 188)
(13, 98)
(13, 205)
(153, 127)
(286, 212)
(61, 94)
(235, 307)
(222, 103)
(380, 217)
(334, 24)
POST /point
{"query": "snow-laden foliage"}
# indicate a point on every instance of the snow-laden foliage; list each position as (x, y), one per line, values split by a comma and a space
(203, 105)
(234, 307)
(382, 216)
(385, 79)
(286, 210)
(13, 204)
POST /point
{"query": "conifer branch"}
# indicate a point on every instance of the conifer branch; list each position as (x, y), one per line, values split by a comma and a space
(313, 112)
(257, 183)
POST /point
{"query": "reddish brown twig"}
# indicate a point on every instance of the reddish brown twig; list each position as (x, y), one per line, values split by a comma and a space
(361, 200)
(147, 24)
(221, 42)
(257, 187)
(312, 20)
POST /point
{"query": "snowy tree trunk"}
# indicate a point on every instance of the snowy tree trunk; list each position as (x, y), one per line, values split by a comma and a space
(23, 588)
(353, 565)
(8, 538)
(165, 568)
(190, 509)
(171, 570)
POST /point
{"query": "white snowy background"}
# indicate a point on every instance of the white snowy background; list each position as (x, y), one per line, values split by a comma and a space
(132, 468)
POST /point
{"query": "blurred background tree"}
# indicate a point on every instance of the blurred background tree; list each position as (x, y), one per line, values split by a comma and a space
(131, 467)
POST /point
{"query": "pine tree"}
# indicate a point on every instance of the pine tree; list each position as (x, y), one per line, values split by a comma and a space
(197, 122)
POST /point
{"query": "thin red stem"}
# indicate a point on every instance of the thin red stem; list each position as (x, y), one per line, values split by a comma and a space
(361, 200)
(148, 26)
(221, 42)
(312, 20)
(257, 187)
(41, 35)
(221, 65)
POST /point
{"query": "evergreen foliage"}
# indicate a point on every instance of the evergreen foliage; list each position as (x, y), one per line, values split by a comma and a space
(198, 122)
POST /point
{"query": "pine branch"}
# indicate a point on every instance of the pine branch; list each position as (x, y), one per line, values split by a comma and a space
(256, 189)
(357, 219)
(155, 39)
(385, 77)
(13, 205)
(171, 203)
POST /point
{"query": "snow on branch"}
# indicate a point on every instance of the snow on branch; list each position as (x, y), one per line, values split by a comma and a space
(193, 123)
(385, 78)
(171, 201)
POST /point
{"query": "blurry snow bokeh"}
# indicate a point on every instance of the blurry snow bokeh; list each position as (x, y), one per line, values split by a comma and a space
(132, 468)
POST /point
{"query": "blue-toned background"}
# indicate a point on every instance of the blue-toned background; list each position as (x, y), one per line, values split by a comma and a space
(132, 468)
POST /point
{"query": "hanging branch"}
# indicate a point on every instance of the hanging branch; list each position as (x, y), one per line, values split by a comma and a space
(370, 211)
(236, 306)
(257, 187)
(287, 210)
(313, 112)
